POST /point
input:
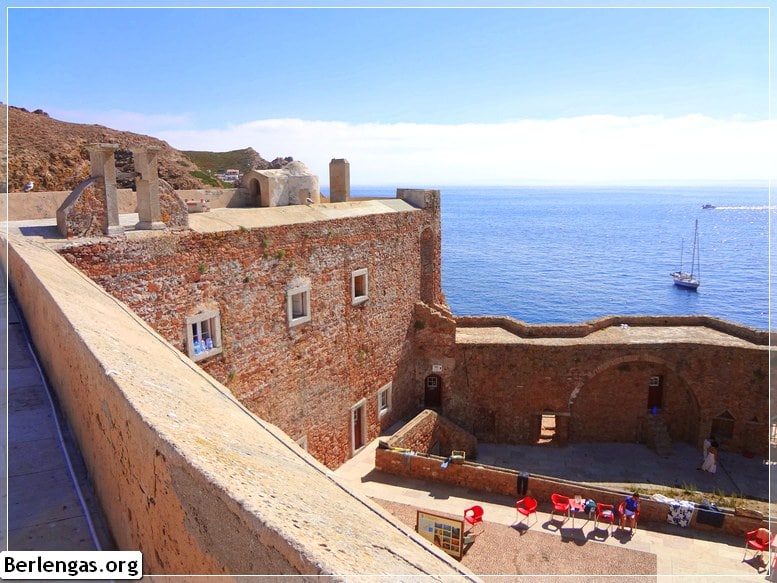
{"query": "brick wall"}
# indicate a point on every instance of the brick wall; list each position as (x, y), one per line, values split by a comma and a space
(305, 378)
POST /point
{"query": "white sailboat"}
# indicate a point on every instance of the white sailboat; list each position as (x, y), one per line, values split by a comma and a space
(691, 279)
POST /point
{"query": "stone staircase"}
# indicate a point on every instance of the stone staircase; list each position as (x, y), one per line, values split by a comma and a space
(658, 436)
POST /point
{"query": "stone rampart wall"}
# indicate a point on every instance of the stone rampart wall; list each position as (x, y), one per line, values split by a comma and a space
(489, 479)
(183, 472)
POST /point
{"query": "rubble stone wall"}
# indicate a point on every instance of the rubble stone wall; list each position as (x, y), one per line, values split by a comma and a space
(304, 378)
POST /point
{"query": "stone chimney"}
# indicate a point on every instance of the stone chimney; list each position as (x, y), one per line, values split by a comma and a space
(339, 180)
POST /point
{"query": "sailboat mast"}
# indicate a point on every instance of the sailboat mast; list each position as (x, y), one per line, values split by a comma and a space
(695, 239)
(696, 250)
(682, 247)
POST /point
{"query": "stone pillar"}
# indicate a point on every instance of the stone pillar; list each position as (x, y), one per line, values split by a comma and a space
(147, 185)
(339, 180)
(103, 159)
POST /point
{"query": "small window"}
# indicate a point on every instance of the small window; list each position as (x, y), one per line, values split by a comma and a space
(384, 400)
(298, 305)
(655, 382)
(203, 335)
(359, 286)
(723, 426)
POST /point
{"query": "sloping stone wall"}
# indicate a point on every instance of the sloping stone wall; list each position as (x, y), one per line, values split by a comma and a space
(431, 433)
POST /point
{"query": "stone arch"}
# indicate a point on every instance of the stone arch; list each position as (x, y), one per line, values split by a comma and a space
(609, 403)
(254, 192)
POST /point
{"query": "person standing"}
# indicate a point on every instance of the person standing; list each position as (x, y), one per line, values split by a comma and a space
(711, 458)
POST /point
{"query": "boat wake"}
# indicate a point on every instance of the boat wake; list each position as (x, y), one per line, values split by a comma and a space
(745, 208)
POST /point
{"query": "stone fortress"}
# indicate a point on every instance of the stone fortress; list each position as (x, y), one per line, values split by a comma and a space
(315, 327)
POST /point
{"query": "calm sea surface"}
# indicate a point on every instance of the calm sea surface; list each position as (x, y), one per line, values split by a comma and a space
(571, 254)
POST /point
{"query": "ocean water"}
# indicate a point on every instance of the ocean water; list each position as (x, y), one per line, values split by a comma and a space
(570, 254)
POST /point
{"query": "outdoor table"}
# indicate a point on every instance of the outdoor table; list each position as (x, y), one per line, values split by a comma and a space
(576, 506)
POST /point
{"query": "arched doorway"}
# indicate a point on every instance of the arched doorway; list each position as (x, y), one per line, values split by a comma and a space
(433, 391)
(254, 192)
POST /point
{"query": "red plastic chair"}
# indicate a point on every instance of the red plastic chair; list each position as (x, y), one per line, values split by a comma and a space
(759, 540)
(560, 504)
(474, 515)
(527, 506)
(604, 513)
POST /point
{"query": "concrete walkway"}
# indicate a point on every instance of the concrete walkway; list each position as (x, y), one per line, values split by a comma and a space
(50, 503)
(683, 556)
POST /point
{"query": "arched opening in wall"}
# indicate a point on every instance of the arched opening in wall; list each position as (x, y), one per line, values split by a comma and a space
(429, 267)
(547, 432)
(433, 391)
(723, 426)
(254, 193)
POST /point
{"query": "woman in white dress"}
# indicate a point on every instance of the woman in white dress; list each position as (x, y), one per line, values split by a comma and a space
(711, 460)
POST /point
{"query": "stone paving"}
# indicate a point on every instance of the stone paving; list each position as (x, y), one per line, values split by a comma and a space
(48, 491)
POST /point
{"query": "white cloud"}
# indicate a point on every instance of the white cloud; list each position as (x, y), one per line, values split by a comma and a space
(578, 150)
(121, 120)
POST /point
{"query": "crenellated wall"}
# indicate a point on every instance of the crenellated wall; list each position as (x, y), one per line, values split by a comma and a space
(183, 471)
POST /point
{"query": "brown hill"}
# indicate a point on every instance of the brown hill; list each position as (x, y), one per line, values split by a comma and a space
(54, 155)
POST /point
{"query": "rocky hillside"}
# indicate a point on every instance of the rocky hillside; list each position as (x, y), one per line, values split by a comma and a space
(54, 155)
(243, 160)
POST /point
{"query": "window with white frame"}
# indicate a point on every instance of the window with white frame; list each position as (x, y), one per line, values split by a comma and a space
(359, 287)
(203, 335)
(384, 400)
(298, 305)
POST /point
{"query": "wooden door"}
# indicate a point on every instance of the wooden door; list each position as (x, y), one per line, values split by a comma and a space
(655, 392)
(358, 427)
(433, 391)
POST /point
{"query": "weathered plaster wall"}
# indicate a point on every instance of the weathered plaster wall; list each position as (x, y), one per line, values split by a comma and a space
(304, 378)
(185, 473)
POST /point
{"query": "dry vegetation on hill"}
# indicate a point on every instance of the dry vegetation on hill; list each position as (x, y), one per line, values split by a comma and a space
(54, 154)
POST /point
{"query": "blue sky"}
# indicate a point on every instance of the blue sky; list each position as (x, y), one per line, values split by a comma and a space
(421, 97)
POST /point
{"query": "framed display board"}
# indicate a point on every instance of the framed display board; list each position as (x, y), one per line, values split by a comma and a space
(446, 533)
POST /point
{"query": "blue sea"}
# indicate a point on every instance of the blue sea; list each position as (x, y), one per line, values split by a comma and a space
(570, 254)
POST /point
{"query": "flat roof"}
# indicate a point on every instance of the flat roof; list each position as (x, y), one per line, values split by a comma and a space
(226, 219)
(610, 335)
